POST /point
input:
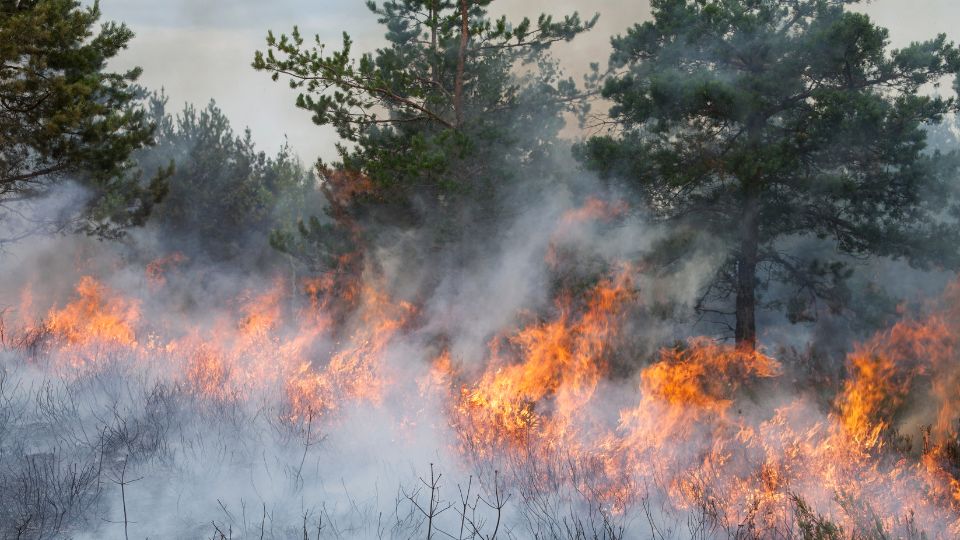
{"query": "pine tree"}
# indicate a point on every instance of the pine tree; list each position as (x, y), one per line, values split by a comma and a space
(760, 121)
(64, 116)
(225, 196)
(439, 127)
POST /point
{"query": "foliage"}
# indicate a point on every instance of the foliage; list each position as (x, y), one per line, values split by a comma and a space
(441, 126)
(224, 191)
(62, 115)
(766, 121)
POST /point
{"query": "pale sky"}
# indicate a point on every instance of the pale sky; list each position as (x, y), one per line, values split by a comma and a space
(202, 49)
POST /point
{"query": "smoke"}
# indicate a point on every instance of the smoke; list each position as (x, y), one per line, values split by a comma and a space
(192, 432)
(532, 392)
(165, 435)
(186, 394)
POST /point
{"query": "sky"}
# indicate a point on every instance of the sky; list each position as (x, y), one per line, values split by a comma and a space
(198, 50)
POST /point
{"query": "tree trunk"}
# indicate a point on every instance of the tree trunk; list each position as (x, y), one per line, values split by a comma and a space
(461, 61)
(746, 324)
(434, 23)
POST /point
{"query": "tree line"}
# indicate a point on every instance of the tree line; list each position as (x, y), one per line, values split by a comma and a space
(758, 123)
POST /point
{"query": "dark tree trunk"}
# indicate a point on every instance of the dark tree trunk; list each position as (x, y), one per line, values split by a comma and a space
(434, 24)
(461, 60)
(746, 329)
(746, 324)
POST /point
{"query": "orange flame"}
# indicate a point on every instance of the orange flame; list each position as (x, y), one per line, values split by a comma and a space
(97, 315)
(562, 360)
(709, 425)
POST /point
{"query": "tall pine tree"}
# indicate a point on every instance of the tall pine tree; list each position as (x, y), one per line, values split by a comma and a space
(758, 121)
(439, 127)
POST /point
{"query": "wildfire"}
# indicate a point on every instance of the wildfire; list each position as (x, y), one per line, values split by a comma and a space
(706, 426)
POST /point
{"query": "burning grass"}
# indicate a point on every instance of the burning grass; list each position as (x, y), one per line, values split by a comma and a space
(537, 438)
(700, 442)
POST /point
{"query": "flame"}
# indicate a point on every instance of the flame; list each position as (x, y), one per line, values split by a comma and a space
(357, 371)
(156, 270)
(262, 313)
(700, 424)
(561, 361)
(913, 356)
(704, 376)
(594, 209)
(699, 433)
(97, 315)
(883, 371)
